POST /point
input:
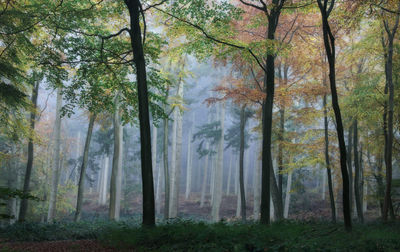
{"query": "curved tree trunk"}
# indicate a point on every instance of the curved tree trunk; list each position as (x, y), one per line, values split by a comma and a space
(56, 159)
(81, 185)
(29, 165)
(329, 42)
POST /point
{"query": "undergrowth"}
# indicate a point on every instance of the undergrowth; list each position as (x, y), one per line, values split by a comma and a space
(187, 235)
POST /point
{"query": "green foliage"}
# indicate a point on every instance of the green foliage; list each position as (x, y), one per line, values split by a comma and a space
(210, 132)
(8, 193)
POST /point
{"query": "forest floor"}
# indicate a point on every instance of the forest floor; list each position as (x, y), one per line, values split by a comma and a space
(307, 230)
(200, 236)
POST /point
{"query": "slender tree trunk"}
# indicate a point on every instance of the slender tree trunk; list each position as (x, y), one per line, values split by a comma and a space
(390, 106)
(158, 189)
(176, 162)
(218, 170)
(166, 168)
(357, 183)
(280, 150)
(329, 42)
(228, 182)
(241, 168)
(154, 148)
(287, 198)
(144, 118)
(56, 159)
(82, 176)
(24, 202)
(205, 175)
(189, 162)
(257, 188)
(116, 172)
(350, 165)
(327, 162)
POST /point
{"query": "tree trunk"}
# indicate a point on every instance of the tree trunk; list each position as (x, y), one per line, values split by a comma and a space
(390, 105)
(257, 188)
(241, 168)
(82, 176)
(176, 161)
(158, 189)
(357, 183)
(287, 198)
(189, 162)
(350, 166)
(144, 118)
(329, 42)
(104, 181)
(327, 161)
(56, 159)
(166, 169)
(218, 170)
(205, 175)
(24, 202)
(280, 150)
(267, 114)
(228, 182)
(277, 200)
(116, 172)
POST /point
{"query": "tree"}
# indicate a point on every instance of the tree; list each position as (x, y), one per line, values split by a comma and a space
(56, 159)
(134, 7)
(81, 184)
(29, 165)
(329, 42)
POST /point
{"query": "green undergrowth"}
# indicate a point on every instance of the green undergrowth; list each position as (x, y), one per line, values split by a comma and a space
(282, 236)
(186, 235)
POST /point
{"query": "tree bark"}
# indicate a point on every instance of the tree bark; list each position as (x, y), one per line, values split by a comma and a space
(166, 168)
(327, 162)
(218, 170)
(329, 42)
(116, 172)
(81, 185)
(267, 112)
(350, 165)
(228, 182)
(241, 172)
(357, 183)
(257, 188)
(176, 162)
(205, 176)
(56, 159)
(189, 162)
(144, 120)
(287, 198)
(390, 110)
(24, 202)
